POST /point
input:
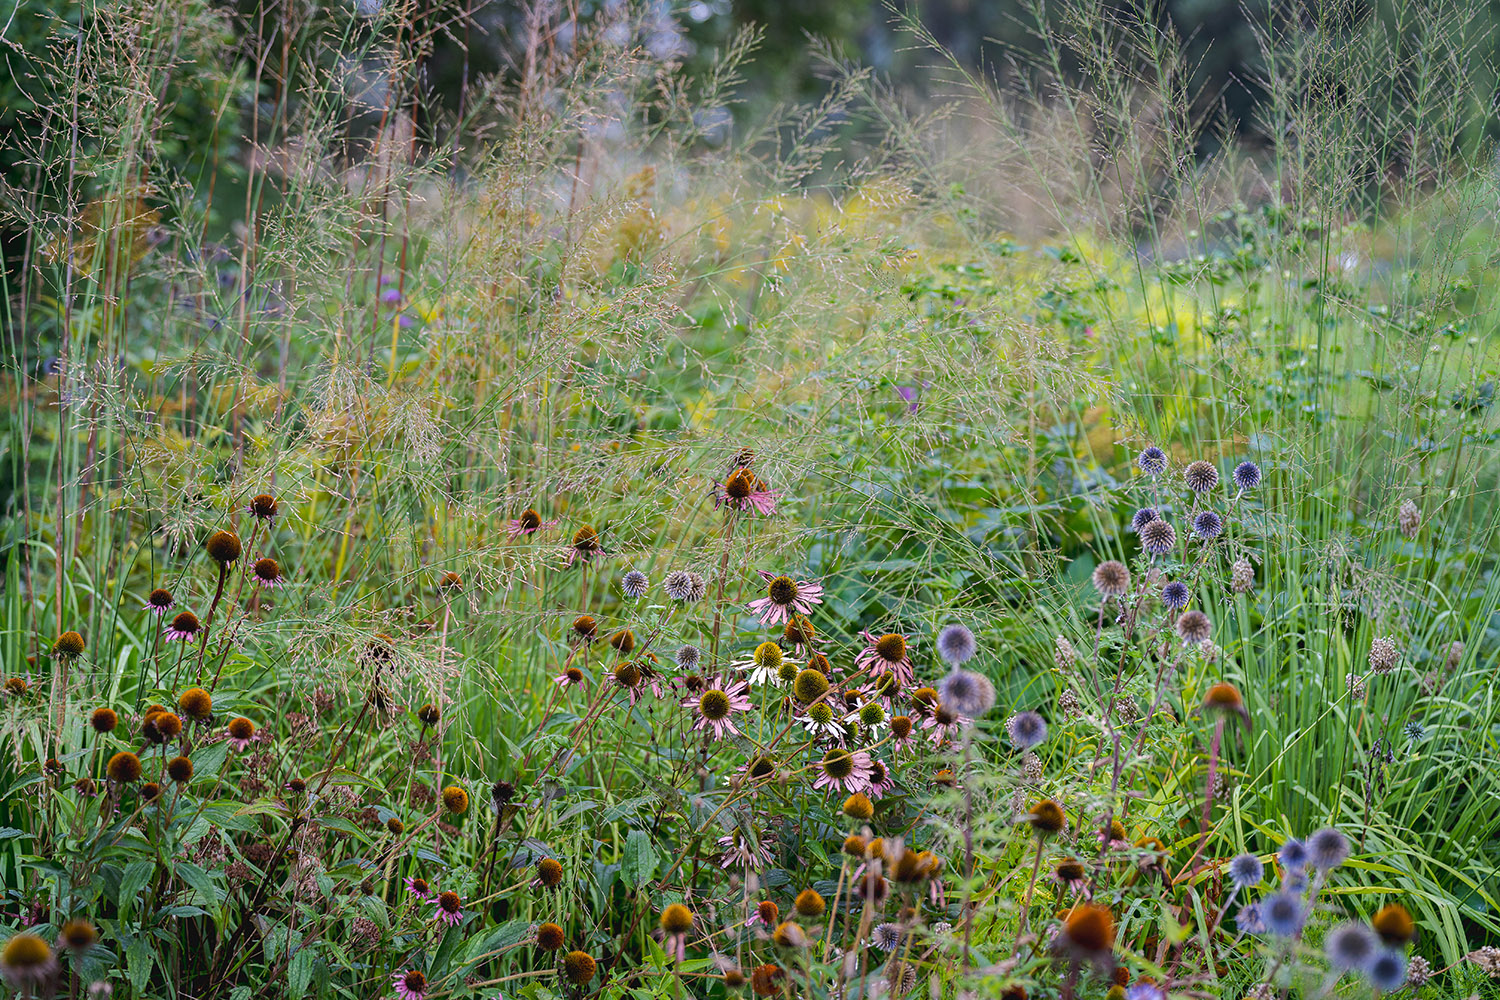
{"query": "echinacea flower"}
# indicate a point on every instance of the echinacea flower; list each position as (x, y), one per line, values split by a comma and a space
(410, 985)
(743, 490)
(570, 677)
(1071, 874)
(716, 707)
(27, 962)
(184, 627)
(736, 850)
(844, 771)
(881, 779)
(240, 732)
(887, 654)
(765, 914)
(1087, 934)
(764, 664)
(160, 602)
(263, 507)
(785, 597)
(529, 523)
(944, 724)
(584, 547)
(418, 887)
(450, 909)
(821, 722)
(267, 573)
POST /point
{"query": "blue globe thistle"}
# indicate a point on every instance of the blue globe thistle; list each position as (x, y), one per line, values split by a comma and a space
(1207, 525)
(1026, 729)
(1158, 537)
(1247, 475)
(1201, 476)
(1415, 731)
(966, 693)
(956, 644)
(1327, 849)
(1249, 919)
(1175, 595)
(1282, 914)
(1145, 991)
(1293, 855)
(1143, 517)
(1295, 881)
(1387, 970)
(1246, 870)
(1152, 461)
(1350, 946)
(634, 584)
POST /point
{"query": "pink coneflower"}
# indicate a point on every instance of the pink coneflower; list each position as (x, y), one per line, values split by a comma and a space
(1071, 875)
(717, 704)
(784, 597)
(765, 914)
(743, 490)
(410, 985)
(160, 602)
(570, 677)
(585, 546)
(887, 654)
(184, 627)
(529, 523)
(881, 779)
(241, 731)
(757, 771)
(943, 724)
(418, 887)
(450, 909)
(267, 573)
(736, 850)
(845, 771)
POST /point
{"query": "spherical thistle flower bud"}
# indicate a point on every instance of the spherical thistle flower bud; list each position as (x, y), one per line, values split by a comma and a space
(1241, 576)
(1394, 925)
(1193, 627)
(395, 826)
(264, 507)
(1247, 475)
(956, 645)
(26, 962)
(790, 935)
(1046, 818)
(1207, 525)
(578, 967)
(1408, 519)
(123, 768)
(1384, 655)
(1246, 870)
(180, 770)
(809, 904)
(1327, 849)
(967, 693)
(1350, 945)
(623, 641)
(1152, 461)
(1143, 517)
(549, 872)
(634, 584)
(196, 703)
(1111, 578)
(688, 656)
(455, 800)
(810, 685)
(1387, 971)
(549, 937)
(1158, 537)
(1175, 595)
(77, 936)
(429, 715)
(104, 720)
(1026, 730)
(859, 807)
(1201, 476)
(765, 980)
(1418, 972)
(68, 646)
(223, 547)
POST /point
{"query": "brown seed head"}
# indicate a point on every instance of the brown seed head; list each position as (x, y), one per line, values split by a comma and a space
(578, 967)
(124, 767)
(549, 937)
(180, 770)
(68, 645)
(809, 903)
(196, 703)
(676, 919)
(1047, 818)
(104, 720)
(455, 800)
(549, 871)
(891, 647)
(223, 547)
